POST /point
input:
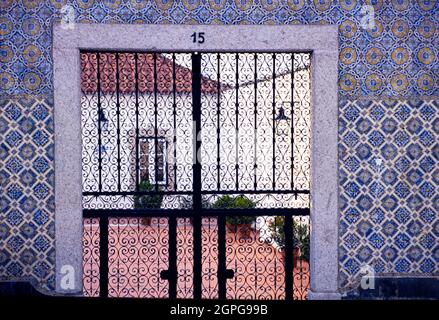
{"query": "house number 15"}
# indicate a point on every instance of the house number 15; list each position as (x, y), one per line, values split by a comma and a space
(197, 37)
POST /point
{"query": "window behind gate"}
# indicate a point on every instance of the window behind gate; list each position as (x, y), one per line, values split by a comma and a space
(152, 160)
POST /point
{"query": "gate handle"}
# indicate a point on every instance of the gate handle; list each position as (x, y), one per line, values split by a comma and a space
(164, 274)
(229, 274)
(168, 275)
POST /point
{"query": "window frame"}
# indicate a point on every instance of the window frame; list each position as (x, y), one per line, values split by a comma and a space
(151, 163)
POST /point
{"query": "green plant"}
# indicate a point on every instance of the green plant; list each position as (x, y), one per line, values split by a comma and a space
(300, 235)
(187, 203)
(239, 202)
(147, 201)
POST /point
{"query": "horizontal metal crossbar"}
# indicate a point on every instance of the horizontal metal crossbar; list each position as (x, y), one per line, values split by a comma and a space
(162, 192)
(106, 213)
(94, 51)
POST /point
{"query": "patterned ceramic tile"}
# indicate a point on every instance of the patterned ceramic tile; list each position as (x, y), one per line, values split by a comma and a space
(389, 182)
(396, 56)
(26, 176)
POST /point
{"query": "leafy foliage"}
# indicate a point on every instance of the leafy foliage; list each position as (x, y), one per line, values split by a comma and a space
(147, 201)
(239, 202)
(300, 235)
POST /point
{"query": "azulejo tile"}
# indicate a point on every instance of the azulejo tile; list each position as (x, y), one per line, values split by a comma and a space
(403, 224)
(26, 216)
(402, 35)
(14, 217)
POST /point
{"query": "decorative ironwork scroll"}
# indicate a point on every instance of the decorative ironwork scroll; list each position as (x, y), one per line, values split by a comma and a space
(196, 174)
(91, 257)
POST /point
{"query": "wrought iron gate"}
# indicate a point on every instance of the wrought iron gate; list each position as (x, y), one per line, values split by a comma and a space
(196, 174)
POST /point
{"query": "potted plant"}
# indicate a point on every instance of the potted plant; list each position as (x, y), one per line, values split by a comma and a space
(300, 238)
(147, 201)
(242, 223)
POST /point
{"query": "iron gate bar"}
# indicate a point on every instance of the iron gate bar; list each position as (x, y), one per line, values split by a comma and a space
(99, 123)
(221, 273)
(255, 165)
(292, 123)
(274, 121)
(174, 114)
(118, 122)
(289, 264)
(156, 166)
(218, 113)
(136, 83)
(204, 192)
(103, 256)
(236, 121)
(200, 51)
(172, 268)
(197, 201)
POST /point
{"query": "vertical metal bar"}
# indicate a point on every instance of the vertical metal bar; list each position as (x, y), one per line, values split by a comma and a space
(165, 161)
(222, 280)
(156, 167)
(90, 231)
(103, 257)
(159, 232)
(174, 113)
(218, 123)
(221, 220)
(136, 77)
(196, 114)
(300, 258)
(292, 121)
(255, 165)
(118, 122)
(172, 224)
(118, 261)
(289, 280)
(139, 275)
(207, 287)
(237, 122)
(274, 121)
(256, 270)
(99, 123)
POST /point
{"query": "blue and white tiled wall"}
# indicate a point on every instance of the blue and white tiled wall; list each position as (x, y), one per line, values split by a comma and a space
(27, 227)
(389, 123)
(389, 177)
